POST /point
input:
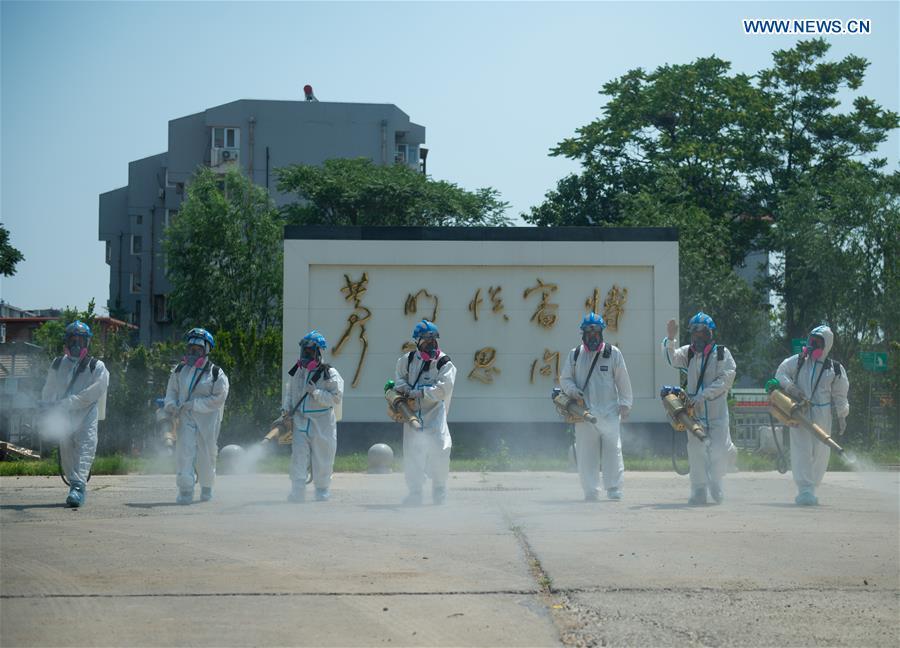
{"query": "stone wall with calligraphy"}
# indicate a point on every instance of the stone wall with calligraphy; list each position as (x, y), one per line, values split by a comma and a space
(508, 313)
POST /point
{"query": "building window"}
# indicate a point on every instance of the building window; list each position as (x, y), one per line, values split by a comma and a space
(136, 315)
(139, 219)
(160, 313)
(136, 282)
(137, 243)
(225, 137)
(400, 154)
(109, 251)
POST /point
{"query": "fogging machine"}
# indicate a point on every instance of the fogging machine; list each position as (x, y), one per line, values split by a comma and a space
(681, 415)
(572, 410)
(399, 406)
(792, 413)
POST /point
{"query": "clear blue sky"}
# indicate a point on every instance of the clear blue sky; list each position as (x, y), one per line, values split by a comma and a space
(89, 86)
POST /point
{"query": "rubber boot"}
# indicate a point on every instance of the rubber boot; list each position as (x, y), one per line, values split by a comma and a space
(439, 494)
(185, 497)
(614, 493)
(322, 494)
(205, 494)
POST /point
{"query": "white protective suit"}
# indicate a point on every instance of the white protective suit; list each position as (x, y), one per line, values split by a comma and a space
(608, 389)
(710, 396)
(809, 456)
(315, 424)
(427, 452)
(79, 397)
(203, 395)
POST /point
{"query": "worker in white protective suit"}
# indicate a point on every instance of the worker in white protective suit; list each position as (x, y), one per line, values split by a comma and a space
(594, 372)
(314, 392)
(426, 375)
(820, 384)
(710, 371)
(75, 395)
(195, 398)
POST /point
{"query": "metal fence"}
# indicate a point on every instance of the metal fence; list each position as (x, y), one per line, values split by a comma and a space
(749, 415)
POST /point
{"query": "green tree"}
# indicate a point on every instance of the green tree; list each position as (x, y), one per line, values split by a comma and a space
(731, 160)
(50, 335)
(9, 256)
(224, 252)
(705, 270)
(808, 142)
(667, 152)
(685, 122)
(359, 192)
(253, 363)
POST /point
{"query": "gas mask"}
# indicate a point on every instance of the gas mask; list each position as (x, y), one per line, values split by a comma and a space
(701, 339)
(592, 338)
(194, 355)
(428, 348)
(76, 347)
(815, 347)
(309, 357)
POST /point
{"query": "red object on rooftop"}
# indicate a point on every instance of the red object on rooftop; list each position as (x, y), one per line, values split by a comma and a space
(308, 91)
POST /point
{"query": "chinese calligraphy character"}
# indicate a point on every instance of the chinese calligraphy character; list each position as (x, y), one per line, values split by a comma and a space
(592, 303)
(496, 302)
(551, 362)
(475, 303)
(546, 312)
(484, 370)
(411, 304)
(353, 291)
(614, 306)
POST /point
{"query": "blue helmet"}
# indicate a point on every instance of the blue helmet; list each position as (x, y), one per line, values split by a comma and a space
(702, 319)
(80, 329)
(201, 336)
(425, 329)
(592, 319)
(314, 338)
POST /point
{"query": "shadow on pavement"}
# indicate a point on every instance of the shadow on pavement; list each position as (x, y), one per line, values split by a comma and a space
(578, 502)
(25, 507)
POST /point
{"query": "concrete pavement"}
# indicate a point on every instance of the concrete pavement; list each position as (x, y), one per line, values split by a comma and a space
(513, 559)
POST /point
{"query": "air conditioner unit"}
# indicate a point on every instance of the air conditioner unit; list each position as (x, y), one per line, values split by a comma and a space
(228, 155)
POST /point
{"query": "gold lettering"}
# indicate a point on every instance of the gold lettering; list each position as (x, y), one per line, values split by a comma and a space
(354, 291)
(411, 304)
(546, 314)
(484, 370)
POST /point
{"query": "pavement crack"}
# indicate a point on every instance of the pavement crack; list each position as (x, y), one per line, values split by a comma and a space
(570, 626)
(509, 592)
